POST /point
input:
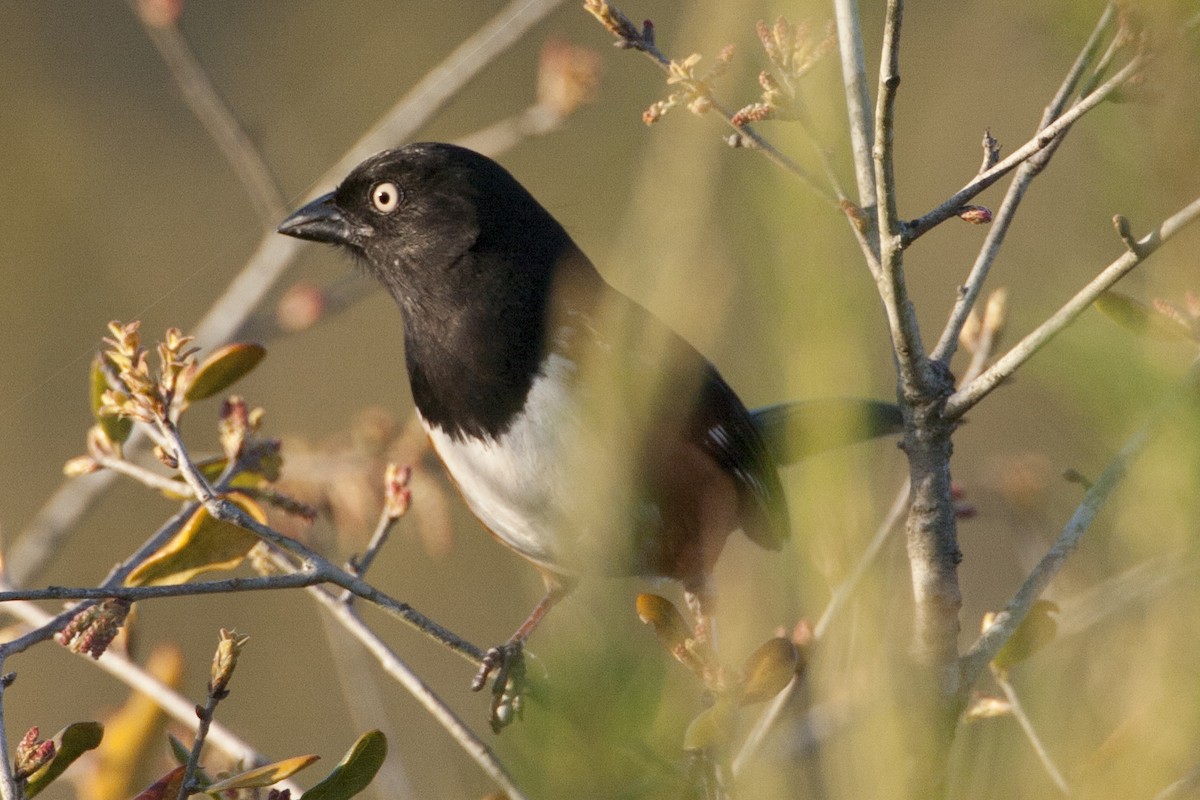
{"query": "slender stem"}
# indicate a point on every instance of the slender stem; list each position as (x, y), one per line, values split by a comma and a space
(837, 601)
(990, 641)
(858, 101)
(293, 580)
(748, 132)
(475, 747)
(969, 293)
(902, 320)
(1039, 142)
(8, 781)
(217, 118)
(970, 394)
(204, 717)
(1018, 712)
(145, 477)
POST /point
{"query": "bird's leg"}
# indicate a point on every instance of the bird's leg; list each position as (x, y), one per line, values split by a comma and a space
(507, 661)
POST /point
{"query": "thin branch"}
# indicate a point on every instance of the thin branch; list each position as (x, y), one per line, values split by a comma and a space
(746, 135)
(766, 721)
(204, 717)
(969, 293)
(217, 118)
(144, 476)
(966, 397)
(478, 751)
(1184, 787)
(1018, 712)
(858, 101)
(43, 536)
(1007, 621)
(1044, 138)
(902, 319)
(8, 781)
(293, 580)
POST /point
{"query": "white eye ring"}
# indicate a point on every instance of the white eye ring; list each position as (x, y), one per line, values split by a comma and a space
(385, 197)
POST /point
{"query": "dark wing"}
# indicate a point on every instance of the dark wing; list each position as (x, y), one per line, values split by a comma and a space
(725, 429)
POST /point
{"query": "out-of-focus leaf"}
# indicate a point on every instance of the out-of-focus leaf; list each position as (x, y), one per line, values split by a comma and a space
(225, 367)
(768, 670)
(202, 544)
(668, 623)
(261, 777)
(355, 771)
(116, 428)
(165, 788)
(711, 728)
(131, 732)
(69, 744)
(1140, 318)
(1035, 631)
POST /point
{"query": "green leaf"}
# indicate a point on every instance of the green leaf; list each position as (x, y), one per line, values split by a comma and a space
(117, 429)
(1141, 319)
(261, 777)
(179, 751)
(202, 544)
(1035, 631)
(225, 367)
(69, 744)
(768, 670)
(355, 771)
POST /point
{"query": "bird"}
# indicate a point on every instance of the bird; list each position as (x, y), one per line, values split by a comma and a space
(581, 431)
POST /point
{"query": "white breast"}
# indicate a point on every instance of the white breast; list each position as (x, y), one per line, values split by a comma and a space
(515, 484)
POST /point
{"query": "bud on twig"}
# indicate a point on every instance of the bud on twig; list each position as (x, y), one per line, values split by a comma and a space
(225, 661)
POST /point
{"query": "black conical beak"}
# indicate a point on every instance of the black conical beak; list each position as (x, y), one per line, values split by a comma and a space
(319, 221)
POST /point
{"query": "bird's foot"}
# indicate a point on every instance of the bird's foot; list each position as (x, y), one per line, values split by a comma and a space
(508, 663)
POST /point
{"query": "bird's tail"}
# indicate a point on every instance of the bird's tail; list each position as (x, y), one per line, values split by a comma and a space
(793, 431)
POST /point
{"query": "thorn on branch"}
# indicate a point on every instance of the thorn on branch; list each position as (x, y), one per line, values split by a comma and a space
(1123, 230)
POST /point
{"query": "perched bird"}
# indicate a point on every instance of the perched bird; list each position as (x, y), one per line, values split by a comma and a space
(515, 356)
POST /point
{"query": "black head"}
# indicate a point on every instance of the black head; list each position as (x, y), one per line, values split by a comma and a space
(469, 255)
(412, 213)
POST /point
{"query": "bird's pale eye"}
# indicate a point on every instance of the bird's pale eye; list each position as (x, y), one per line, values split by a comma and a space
(385, 197)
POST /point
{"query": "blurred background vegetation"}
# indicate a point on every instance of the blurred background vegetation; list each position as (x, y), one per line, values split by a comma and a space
(119, 206)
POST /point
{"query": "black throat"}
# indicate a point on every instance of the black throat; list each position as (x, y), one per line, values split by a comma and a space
(476, 336)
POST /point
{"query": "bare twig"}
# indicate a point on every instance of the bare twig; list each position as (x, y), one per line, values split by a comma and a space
(1184, 787)
(1044, 138)
(216, 117)
(837, 601)
(144, 476)
(478, 751)
(42, 537)
(902, 320)
(969, 293)
(1006, 622)
(8, 782)
(858, 101)
(1018, 712)
(966, 397)
(644, 42)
